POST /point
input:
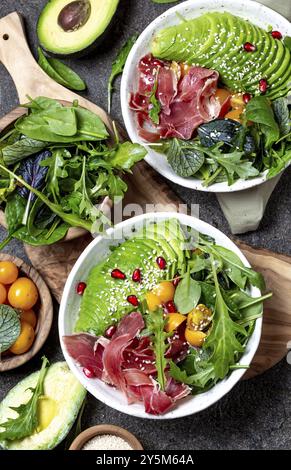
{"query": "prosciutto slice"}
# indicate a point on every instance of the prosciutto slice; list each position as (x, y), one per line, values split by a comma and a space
(127, 361)
(87, 350)
(185, 103)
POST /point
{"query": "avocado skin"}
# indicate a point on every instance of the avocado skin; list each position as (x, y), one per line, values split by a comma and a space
(87, 51)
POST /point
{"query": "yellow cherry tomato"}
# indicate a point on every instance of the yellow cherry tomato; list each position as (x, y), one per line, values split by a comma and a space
(8, 272)
(194, 337)
(199, 318)
(165, 291)
(24, 340)
(173, 320)
(23, 294)
(3, 294)
(29, 317)
(222, 95)
(235, 114)
(153, 301)
(237, 101)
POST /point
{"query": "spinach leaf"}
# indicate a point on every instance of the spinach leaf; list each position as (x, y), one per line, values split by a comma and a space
(14, 211)
(9, 327)
(90, 126)
(71, 219)
(126, 155)
(21, 149)
(52, 125)
(187, 294)
(45, 237)
(281, 111)
(118, 66)
(234, 273)
(184, 157)
(155, 324)
(27, 420)
(60, 72)
(222, 339)
(155, 109)
(259, 110)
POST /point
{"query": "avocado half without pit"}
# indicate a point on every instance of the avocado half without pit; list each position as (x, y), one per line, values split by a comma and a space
(74, 28)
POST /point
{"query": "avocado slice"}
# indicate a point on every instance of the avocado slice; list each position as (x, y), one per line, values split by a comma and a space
(57, 408)
(216, 40)
(105, 299)
(67, 28)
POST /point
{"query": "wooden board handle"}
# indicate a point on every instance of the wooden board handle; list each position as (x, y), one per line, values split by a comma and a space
(29, 78)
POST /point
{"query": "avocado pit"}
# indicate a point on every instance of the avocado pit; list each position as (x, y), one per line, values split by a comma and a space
(74, 15)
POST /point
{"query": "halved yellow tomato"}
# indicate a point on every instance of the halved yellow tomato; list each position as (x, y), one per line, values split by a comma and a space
(194, 337)
(173, 320)
(235, 114)
(237, 101)
(223, 97)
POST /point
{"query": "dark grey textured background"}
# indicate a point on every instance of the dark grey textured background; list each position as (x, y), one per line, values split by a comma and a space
(257, 413)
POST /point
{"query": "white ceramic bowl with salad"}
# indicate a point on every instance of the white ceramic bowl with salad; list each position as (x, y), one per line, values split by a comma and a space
(246, 56)
(137, 277)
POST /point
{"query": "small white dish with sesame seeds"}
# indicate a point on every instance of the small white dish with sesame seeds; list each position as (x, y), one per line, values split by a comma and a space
(96, 252)
(255, 12)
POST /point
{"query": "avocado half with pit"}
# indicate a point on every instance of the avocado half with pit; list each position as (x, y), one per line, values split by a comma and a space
(67, 28)
(57, 410)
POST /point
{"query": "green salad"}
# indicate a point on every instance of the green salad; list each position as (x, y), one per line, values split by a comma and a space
(179, 302)
(56, 167)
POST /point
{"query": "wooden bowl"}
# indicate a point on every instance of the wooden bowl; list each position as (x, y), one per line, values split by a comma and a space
(44, 315)
(101, 429)
(73, 232)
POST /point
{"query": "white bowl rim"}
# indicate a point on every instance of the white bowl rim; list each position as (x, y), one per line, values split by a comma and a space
(167, 172)
(223, 387)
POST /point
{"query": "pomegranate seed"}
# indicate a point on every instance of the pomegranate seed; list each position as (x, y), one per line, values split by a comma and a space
(136, 275)
(171, 307)
(249, 47)
(276, 34)
(110, 331)
(117, 274)
(161, 262)
(263, 85)
(88, 372)
(176, 281)
(81, 286)
(247, 97)
(133, 300)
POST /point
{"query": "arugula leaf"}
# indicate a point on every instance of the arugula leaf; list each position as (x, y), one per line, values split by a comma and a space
(259, 110)
(116, 186)
(155, 324)
(223, 335)
(55, 170)
(184, 157)
(118, 66)
(187, 294)
(126, 155)
(155, 109)
(9, 327)
(198, 380)
(234, 165)
(27, 421)
(60, 72)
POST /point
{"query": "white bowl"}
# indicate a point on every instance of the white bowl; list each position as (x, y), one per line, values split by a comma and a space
(69, 308)
(253, 11)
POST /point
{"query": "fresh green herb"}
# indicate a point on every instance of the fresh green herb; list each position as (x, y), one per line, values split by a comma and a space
(27, 420)
(184, 157)
(223, 335)
(259, 110)
(60, 72)
(155, 324)
(155, 109)
(21, 149)
(118, 66)
(187, 294)
(9, 327)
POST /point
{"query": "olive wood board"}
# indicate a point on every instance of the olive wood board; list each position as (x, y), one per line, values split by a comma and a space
(145, 186)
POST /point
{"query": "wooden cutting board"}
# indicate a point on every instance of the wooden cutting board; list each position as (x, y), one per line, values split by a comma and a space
(145, 187)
